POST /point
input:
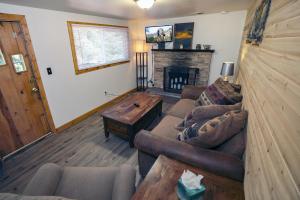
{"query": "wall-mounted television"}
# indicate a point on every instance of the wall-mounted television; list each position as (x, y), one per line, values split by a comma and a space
(157, 34)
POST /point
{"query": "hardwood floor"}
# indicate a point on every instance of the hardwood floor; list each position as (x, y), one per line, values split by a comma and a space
(81, 145)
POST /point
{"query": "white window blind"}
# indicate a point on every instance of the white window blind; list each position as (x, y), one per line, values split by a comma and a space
(100, 45)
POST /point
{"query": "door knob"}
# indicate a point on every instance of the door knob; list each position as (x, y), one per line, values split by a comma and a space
(34, 90)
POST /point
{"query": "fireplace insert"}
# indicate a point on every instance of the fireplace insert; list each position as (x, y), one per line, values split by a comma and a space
(176, 77)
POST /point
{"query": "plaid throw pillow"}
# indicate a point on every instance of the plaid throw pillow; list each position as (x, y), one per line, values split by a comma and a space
(221, 93)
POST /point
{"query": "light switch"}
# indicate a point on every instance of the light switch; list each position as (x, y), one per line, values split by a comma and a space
(49, 70)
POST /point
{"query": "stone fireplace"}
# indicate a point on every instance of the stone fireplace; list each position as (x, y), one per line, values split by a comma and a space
(181, 61)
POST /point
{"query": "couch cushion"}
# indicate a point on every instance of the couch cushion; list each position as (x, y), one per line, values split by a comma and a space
(45, 181)
(234, 146)
(166, 128)
(87, 183)
(220, 92)
(182, 108)
(84, 183)
(124, 185)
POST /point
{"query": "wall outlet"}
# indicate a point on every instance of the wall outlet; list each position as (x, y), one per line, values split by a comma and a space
(152, 83)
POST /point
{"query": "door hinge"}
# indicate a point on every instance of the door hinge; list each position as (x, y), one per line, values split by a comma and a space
(14, 34)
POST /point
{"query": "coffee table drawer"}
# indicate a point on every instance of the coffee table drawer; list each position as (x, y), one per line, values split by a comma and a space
(117, 127)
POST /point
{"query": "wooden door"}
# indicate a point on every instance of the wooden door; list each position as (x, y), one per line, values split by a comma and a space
(22, 115)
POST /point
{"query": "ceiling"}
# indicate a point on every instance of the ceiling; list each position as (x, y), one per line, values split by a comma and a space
(128, 9)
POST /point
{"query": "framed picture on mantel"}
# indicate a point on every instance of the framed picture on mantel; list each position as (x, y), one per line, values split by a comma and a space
(183, 33)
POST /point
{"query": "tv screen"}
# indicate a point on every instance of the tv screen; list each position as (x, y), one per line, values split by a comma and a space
(156, 34)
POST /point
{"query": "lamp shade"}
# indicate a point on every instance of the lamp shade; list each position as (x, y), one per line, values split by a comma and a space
(227, 69)
(140, 46)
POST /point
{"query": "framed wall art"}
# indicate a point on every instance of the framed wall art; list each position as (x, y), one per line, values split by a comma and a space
(183, 33)
(255, 35)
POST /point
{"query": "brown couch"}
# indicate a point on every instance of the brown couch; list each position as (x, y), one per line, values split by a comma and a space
(162, 140)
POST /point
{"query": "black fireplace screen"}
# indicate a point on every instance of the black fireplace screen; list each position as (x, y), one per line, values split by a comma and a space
(176, 77)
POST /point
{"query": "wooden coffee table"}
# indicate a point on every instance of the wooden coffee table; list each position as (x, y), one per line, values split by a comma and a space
(132, 114)
(161, 183)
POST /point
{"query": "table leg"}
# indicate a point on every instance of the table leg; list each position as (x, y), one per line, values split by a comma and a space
(106, 132)
(1, 169)
(131, 136)
(160, 109)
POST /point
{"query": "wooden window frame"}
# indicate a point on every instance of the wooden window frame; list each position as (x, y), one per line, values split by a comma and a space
(71, 36)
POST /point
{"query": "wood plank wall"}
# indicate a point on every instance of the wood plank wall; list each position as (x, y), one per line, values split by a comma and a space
(270, 77)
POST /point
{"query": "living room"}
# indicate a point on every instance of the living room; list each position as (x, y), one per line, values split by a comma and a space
(149, 99)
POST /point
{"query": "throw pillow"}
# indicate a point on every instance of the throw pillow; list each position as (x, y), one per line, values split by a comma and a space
(216, 131)
(188, 121)
(220, 129)
(189, 132)
(202, 114)
(220, 92)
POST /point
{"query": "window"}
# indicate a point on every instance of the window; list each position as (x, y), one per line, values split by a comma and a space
(96, 46)
(2, 59)
(18, 62)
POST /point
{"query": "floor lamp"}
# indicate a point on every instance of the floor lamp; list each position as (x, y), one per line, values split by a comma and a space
(141, 65)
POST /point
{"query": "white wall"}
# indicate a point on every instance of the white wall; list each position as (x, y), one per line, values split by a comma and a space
(69, 95)
(222, 31)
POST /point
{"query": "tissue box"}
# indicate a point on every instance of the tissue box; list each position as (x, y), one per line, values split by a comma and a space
(187, 194)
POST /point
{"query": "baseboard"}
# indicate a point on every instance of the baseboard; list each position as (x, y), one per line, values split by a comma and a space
(91, 112)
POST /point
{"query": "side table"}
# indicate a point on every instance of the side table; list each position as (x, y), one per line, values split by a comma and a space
(161, 182)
